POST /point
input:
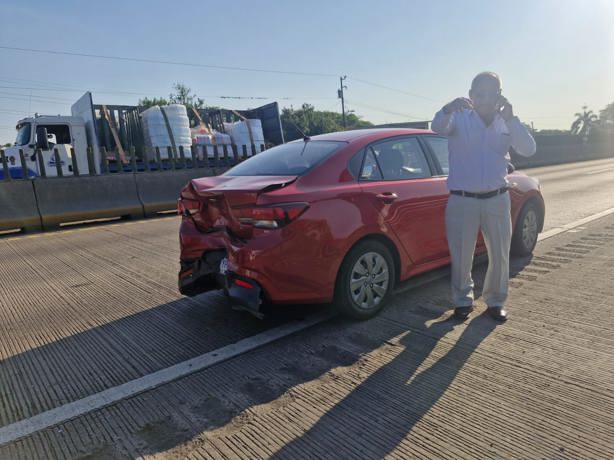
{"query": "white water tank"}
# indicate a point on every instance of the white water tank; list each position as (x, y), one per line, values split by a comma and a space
(156, 132)
(240, 133)
(219, 139)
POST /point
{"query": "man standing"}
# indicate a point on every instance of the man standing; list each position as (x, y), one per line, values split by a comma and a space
(480, 132)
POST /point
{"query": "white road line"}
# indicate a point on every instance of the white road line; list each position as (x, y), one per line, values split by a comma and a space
(68, 229)
(558, 230)
(113, 395)
(598, 171)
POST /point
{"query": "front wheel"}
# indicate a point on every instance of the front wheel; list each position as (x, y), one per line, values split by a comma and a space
(365, 280)
(526, 230)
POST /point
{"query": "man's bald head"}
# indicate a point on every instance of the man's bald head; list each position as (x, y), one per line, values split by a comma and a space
(486, 77)
(485, 93)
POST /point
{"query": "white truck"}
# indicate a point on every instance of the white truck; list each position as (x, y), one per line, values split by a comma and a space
(115, 129)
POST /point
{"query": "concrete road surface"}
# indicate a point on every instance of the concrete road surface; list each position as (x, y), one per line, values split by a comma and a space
(101, 358)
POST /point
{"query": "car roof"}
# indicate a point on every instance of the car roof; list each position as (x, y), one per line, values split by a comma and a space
(373, 133)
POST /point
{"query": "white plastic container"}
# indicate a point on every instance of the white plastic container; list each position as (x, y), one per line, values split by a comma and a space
(155, 131)
(240, 133)
(209, 140)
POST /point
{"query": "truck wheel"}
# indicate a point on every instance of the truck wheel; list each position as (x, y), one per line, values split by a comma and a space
(365, 280)
(526, 230)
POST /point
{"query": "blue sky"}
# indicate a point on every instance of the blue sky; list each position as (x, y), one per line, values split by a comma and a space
(553, 55)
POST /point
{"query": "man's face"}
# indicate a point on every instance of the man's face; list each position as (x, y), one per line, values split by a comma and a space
(485, 95)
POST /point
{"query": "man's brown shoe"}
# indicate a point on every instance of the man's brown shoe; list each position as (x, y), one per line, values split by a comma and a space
(462, 313)
(498, 313)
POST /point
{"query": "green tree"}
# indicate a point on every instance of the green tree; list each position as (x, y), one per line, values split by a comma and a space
(312, 122)
(146, 102)
(606, 116)
(583, 123)
(182, 95)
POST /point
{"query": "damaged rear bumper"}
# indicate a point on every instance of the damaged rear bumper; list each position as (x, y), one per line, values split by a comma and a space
(211, 272)
(201, 275)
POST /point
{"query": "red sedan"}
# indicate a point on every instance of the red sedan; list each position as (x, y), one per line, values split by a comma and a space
(341, 217)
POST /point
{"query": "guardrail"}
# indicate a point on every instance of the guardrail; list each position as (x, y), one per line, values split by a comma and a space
(137, 187)
(557, 154)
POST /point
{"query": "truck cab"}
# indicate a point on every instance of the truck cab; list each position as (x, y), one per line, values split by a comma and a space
(47, 133)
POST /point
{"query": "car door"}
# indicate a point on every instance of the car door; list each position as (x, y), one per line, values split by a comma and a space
(398, 180)
(58, 138)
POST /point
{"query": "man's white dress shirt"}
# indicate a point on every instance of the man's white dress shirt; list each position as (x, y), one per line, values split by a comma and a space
(478, 153)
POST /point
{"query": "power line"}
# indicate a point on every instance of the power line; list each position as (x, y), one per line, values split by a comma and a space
(390, 112)
(34, 88)
(14, 112)
(37, 99)
(13, 81)
(148, 93)
(34, 96)
(214, 67)
(407, 93)
(160, 61)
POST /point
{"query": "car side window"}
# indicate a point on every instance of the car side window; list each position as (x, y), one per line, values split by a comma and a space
(355, 163)
(370, 168)
(401, 159)
(439, 146)
(61, 133)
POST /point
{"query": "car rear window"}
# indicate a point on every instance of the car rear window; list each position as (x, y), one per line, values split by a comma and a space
(292, 159)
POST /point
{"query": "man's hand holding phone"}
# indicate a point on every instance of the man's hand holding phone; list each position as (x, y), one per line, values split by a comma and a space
(505, 109)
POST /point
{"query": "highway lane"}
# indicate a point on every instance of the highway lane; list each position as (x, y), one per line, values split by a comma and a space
(575, 190)
(90, 308)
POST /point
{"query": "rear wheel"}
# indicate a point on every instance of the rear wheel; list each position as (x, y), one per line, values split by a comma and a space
(526, 230)
(365, 280)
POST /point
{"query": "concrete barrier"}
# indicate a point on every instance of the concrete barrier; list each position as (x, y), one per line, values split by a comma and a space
(558, 154)
(18, 209)
(73, 199)
(159, 191)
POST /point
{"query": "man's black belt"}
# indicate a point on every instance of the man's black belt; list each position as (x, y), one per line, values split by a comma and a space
(479, 195)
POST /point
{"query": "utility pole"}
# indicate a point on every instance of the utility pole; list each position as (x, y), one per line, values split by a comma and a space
(340, 96)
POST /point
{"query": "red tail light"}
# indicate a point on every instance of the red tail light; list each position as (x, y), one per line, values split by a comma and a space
(243, 284)
(274, 216)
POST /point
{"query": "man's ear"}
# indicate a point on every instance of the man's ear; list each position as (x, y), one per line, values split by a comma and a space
(471, 94)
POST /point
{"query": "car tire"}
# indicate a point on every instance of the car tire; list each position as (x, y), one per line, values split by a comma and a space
(526, 230)
(365, 280)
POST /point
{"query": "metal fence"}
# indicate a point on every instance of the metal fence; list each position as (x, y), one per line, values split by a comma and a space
(199, 156)
(123, 188)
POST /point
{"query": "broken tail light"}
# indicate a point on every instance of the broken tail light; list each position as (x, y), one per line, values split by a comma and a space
(270, 217)
(187, 207)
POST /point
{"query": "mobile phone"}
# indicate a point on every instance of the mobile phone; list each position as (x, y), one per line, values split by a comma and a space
(499, 103)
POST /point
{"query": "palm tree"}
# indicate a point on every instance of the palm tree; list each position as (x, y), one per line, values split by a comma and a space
(583, 123)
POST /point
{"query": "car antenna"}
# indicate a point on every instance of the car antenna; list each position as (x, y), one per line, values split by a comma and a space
(306, 138)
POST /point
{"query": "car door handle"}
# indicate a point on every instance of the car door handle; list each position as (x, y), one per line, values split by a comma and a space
(387, 197)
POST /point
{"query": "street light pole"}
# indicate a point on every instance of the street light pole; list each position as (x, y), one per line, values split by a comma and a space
(340, 95)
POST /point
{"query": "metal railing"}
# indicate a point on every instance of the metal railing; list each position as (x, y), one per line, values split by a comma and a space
(199, 156)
